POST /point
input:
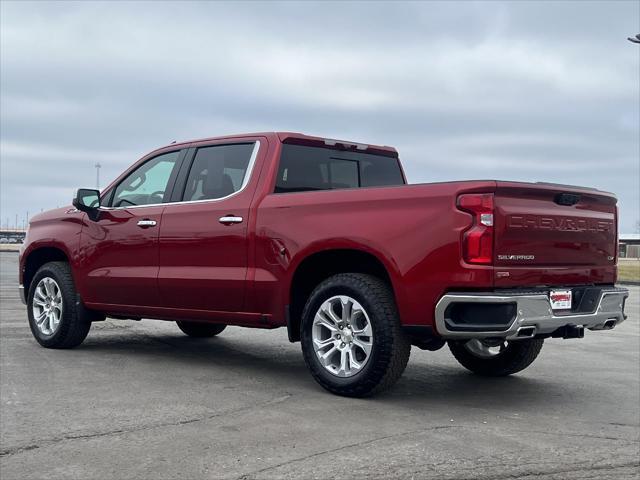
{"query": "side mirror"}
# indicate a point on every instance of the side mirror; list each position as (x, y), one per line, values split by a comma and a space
(87, 200)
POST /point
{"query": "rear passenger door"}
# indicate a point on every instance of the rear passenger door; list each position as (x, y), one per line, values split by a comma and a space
(203, 237)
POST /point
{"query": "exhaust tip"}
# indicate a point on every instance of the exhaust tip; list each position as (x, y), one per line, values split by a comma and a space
(526, 332)
(609, 324)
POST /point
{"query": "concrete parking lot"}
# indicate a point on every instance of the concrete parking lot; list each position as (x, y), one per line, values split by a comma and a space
(141, 400)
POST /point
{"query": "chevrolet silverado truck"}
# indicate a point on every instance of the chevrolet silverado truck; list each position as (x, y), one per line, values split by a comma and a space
(326, 238)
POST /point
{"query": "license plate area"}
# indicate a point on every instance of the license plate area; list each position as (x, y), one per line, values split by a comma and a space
(560, 299)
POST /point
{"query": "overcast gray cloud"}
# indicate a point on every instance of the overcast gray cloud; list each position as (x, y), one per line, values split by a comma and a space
(520, 90)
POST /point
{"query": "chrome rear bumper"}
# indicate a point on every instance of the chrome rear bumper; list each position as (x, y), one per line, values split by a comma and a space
(533, 314)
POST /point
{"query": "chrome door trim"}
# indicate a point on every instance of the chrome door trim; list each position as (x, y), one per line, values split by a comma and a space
(230, 219)
(147, 223)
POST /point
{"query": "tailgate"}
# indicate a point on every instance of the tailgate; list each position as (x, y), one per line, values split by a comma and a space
(547, 225)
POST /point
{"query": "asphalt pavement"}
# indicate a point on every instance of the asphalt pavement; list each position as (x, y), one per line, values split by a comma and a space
(141, 400)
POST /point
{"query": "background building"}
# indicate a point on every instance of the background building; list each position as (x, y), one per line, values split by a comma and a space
(629, 245)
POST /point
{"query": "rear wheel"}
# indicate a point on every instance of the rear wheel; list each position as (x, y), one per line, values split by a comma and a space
(201, 330)
(496, 358)
(55, 318)
(351, 337)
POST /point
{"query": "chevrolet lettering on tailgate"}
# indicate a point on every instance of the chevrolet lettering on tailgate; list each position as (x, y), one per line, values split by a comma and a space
(561, 224)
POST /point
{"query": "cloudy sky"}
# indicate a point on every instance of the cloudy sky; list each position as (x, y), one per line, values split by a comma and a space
(533, 91)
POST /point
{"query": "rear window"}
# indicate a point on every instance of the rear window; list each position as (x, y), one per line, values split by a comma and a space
(305, 168)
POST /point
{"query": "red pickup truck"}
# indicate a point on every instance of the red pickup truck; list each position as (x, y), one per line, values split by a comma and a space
(327, 238)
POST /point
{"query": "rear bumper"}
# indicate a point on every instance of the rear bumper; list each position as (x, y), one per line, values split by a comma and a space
(524, 314)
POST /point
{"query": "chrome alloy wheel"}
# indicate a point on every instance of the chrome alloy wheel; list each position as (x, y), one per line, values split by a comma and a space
(342, 336)
(484, 348)
(47, 306)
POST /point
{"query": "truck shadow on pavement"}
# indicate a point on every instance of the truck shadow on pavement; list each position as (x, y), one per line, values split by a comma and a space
(281, 367)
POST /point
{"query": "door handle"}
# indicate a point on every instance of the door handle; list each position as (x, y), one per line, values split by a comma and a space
(147, 223)
(230, 219)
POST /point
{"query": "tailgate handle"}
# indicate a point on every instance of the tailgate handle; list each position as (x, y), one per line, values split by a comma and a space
(566, 199)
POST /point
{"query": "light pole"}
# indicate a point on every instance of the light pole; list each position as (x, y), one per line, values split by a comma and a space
(98, 167)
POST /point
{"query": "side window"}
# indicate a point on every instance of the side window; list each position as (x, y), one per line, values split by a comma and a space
(148, 183)
(218, 171)
(303, 169)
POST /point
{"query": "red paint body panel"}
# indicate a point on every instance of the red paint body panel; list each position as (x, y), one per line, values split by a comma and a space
(528, 220)
(413, 230)
(59, 228)
(192, 267)
(203, 264)
(118, 260)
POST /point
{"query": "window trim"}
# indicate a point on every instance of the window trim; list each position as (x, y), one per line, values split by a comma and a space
(182, 159)
(245, 180)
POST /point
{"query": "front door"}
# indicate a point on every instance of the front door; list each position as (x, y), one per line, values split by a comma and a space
(203, 238)
(119, 251)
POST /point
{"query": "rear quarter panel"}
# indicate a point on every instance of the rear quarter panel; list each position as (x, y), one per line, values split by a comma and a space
(414, 230)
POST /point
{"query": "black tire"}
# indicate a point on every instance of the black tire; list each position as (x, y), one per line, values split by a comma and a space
(200, 330)
(515, 357)
(390, 346)
(75, 322)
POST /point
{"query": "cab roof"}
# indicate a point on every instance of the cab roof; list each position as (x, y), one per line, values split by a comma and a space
(302, 139)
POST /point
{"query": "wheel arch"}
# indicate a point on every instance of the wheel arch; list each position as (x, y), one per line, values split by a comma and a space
(319, 265)
(38, 257)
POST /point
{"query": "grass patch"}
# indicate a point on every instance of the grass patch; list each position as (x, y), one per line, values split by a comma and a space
(629, 270)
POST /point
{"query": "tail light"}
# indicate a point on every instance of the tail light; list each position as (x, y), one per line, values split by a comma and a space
(477, 240)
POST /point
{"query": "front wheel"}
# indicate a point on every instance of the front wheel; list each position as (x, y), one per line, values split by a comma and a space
(351, 336)
(55, 318)
(495, 358)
